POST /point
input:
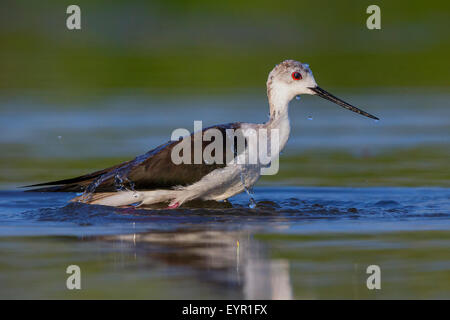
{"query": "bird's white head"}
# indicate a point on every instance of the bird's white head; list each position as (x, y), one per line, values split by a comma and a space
(292, 78)
(289, 79)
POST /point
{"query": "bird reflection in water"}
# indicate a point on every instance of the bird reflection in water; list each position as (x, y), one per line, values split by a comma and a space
(226, 258)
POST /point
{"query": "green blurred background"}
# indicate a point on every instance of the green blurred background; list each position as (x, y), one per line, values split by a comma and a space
(218, 45)
(167, 52)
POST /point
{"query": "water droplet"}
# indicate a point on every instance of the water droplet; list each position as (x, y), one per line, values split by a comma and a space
(298, 97)
(310, 118)
(252, 203)
(376, 120)
(118, 182)
(131, 184)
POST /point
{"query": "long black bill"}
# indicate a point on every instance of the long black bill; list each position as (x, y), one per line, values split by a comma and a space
(326, 95)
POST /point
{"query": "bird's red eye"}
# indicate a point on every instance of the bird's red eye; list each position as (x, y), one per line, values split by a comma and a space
(296, 75)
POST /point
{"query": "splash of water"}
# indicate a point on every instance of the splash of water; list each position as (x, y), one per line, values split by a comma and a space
(118, 183)
(89, 191)
(121, 183)
(251, 201)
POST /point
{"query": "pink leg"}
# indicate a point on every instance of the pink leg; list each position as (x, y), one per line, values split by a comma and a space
(174, 206)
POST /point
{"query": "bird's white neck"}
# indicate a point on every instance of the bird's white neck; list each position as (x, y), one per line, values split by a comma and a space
(279, 115)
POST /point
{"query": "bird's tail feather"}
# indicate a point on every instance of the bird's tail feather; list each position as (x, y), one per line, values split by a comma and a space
(77, 184)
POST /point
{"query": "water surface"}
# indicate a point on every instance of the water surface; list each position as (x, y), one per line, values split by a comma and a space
(297, 243)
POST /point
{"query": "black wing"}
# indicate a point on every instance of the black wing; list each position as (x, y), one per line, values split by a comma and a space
(153, 170)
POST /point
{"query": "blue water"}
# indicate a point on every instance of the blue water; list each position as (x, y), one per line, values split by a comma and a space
(307, 242)
(124, 126)
(299, 209)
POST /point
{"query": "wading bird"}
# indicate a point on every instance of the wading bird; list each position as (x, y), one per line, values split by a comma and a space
(154, 177)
